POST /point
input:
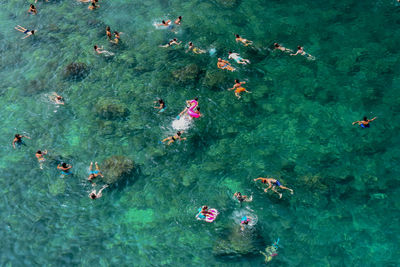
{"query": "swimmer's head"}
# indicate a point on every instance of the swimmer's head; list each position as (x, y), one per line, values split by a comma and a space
(59, 97)
(95, 47)
(39, 152)
(180, 17)
(108, 28)
(298, 47)
(175, 39)
(116, 32)
(64, 165)
(160, 101)
(92, 195)
(33, 32)
(190, 43)
(276, 45)
(32, 6)
(365, 119)
(238, 194)
(17, 135)
(237, 35)
(204, 207)
(230, 52)
(236, 81)
(163, 22)
(93, 4)
(179, 133)
(198, 109)
(219, 59)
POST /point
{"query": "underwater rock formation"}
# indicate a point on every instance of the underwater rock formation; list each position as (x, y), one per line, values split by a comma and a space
(116, 168)
(187, 74)
(76, 71)
(111, 109)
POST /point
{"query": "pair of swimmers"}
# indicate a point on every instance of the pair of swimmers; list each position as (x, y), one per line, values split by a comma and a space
(93, 174)
(272, 184)
(238, 88)
(300, 51)
(169, 24)
(32, 9)
(116, 35)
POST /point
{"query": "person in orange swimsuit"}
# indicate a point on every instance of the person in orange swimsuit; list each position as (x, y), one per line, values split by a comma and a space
(238, 88)
(224, 65)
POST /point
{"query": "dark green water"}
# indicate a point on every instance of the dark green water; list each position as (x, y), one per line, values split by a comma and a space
(296, 126)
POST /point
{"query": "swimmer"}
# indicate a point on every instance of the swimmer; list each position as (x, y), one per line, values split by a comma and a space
(93, 5)
(40, 156)
(238, 58)
(108, 33)
(117, 37)
(245, 42)
(24, 30)
(204, 211)
(189, 103)
(57, 99)
(195, 49)
(270, 251)
(171, 43)
(197, 111)
(283, 49)
(174, 138)
(245, 221)
(242, 198)
(224, 65)
(273, 183)
(165, 23)
(161, 106)
(301, 51)
(100, 50)
(18, 140)
(178, 20)
(365, 122)
(32, 9)
(238, 88)
(64, 167)
(94, 195)
(95, 173)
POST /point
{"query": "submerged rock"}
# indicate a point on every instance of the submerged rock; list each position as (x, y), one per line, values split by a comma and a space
(111, 109)
(215, 78)
(76, 71)
(187, 74)
(238, 244)
(116, 168)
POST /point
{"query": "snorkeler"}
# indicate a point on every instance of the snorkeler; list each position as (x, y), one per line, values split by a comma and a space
(57, 99)
(195, 49)
(301, 51)
(100, 50)
(238, 58)
(24, 30)
(242, 198)
(161, 106)
(365, 122)
(283, 49)
(18, 140)
(174, 138)
(171, 43)
(245, 42)
(224, 65)
(32, 9)
(64, 167)
(94, 195)
(178, 20)
(273, 183)
(93, 5)
(238, 88)
(95, 173)
(40, 157)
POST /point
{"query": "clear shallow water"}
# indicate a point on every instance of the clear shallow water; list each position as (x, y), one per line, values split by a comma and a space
(296, 125)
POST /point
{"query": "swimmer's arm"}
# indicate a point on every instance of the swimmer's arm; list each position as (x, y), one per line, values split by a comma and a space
(356, 122)
(13, 143)
(58, 167)
(259, 178)
(26, 36)
(26, 136)
(295, 53)
(372, 119)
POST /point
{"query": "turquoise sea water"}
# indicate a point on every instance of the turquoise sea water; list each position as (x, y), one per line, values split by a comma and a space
(296, 126)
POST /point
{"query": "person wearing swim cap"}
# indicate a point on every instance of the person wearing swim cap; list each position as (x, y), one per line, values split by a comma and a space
(242, 198)
(365, 122)
(273, 183)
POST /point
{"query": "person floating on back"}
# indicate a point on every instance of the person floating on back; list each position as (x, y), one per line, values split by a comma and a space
(18, 140)
(273, 183)
(25, 31)
(365, 122)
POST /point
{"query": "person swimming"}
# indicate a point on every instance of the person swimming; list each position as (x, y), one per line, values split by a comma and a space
(18, 140)
(40, 157)
(270, 251)
(244, 222)
(94, 195)
(178, 20)
(195, 49)
(25, 31)
(93, 5)
(64, 167)
(161, 106)
(283, 49)
(116, 38)
(272, 183)
(238, 58)
(203, 212)
(224, 65)
(172, 139)
(242, 198)
(365, 122)
(57, 99)
(32, 9)
(238, 88)
(100, 50)
(245, 42)
(95, 173)
(108, 33)
(164, 23)
(301, 51)
(189, 104)
(171, 43)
